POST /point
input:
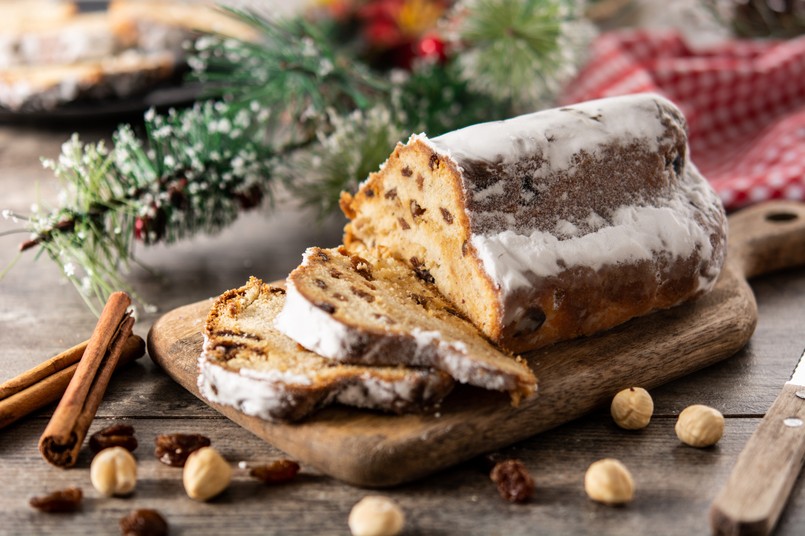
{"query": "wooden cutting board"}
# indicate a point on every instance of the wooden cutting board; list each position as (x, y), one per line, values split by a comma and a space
(372, 449)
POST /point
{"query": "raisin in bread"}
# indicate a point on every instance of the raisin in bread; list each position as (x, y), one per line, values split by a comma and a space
(249, 365)
(551, 225)
(377, 311)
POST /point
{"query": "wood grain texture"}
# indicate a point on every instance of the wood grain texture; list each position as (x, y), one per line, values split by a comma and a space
(758, 487)
(673, 487)
(370, 449)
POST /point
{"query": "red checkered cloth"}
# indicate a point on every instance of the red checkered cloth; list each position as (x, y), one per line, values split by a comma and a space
(744, 102)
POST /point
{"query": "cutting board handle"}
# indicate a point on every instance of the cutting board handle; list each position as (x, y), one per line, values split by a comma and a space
(767, 237)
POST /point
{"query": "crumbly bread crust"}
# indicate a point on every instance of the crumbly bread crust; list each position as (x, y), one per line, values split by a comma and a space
(376, 310)
(553, 225)
(249, 365)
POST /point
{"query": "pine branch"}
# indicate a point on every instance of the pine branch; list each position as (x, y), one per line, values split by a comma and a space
(195, 172)
(521, 52)
(296, 68)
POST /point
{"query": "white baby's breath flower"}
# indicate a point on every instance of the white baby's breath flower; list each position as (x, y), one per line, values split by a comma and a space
(69, 269)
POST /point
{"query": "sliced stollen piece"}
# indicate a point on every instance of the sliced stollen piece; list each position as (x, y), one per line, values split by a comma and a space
(247, 364)
(381, 312)
(551, 225)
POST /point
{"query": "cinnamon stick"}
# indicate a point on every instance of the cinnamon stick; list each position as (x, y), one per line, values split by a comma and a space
(31, 390)
(68, 426)
(42, 371)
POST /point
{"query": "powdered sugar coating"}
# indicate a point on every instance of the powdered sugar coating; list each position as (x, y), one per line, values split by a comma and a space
(553, 190)
(311, 327)
(558, 134)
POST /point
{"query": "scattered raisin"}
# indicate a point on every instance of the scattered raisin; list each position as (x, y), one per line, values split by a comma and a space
(403, 224)
(61, 501)
(406, 171)
(117, 435)
(277, 290)
(514, 482)
(419, 299)
(327, 307)
(362, 294)
(446, 215)
(340, 297)
(321, 284)
(433, 163)
(370, 193)
(416, 210)
(276, 472)
(420, 181)
(173, 449)
(362, 266)
(391, 194)
(143, 522)
(323, 256)
(422, 272)
(335, 274)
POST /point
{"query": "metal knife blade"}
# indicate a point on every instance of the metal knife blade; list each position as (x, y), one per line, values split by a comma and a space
(798, 376)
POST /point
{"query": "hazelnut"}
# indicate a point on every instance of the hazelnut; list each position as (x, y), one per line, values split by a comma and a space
(375, 515)
(632, 408)
(699, 426)
(608, 481)
(206, 474)
(113, 471)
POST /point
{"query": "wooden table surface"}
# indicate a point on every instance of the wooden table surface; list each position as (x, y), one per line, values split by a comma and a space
(40, 315)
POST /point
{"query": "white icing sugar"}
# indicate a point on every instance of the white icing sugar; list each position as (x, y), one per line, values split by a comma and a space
(249, 395)
(637, 233)
(566, 228)
(311, 327)
(558, 134)
(498, 188)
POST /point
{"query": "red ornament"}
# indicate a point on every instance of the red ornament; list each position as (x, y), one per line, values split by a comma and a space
(431, 47)
(140, 228)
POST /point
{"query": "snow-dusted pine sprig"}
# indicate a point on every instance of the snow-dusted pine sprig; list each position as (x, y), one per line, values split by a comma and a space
(295, 66)
(521, 52)
(195, 171)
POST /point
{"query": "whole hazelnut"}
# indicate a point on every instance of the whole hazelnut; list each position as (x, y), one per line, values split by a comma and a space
(632, 408)
(608, 481)
(206, 474)
(699, 426)
(375, 515)
(113, 471)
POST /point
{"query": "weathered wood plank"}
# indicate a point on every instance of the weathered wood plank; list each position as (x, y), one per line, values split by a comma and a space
(675, 485)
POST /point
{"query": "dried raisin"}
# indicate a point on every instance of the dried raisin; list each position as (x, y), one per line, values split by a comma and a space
(276, 472)
(173, 449)
(143, 522)
(513, 481)
(117, 435)
(61, 501)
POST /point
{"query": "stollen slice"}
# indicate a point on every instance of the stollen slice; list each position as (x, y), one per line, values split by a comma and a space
(249, 365)
(378, 311)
